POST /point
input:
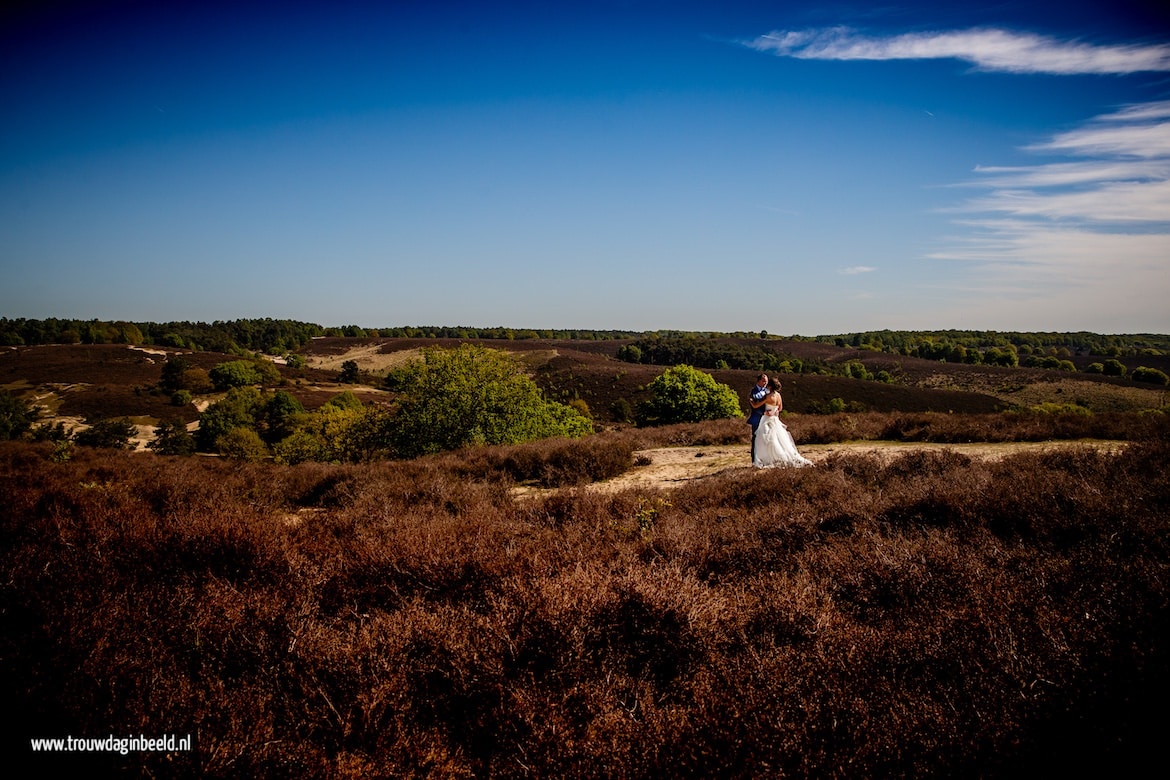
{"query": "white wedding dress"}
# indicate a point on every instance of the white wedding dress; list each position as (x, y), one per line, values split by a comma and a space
(774, 445)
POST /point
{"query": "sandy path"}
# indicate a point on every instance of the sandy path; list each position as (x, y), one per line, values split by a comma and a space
(673, 466)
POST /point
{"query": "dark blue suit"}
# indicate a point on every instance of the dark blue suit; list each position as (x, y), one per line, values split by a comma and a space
(757, 414)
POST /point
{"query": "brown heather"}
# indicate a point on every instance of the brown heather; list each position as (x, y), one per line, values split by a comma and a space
(931, 615)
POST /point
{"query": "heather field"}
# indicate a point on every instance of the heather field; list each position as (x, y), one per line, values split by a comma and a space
(930, 614)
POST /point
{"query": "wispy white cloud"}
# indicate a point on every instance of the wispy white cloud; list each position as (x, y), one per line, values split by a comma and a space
(1091, 232)
(987, 49)
(1124, 176)
(1058, 174)
(853, 270)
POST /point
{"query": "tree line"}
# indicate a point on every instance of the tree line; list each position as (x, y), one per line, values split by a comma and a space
(276, 336)
(988, 346)
(266, 335)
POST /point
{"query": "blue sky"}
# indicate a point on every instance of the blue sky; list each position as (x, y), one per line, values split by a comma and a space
(803, 168)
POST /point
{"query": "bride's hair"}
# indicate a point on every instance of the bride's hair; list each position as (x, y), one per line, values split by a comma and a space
(774, 385)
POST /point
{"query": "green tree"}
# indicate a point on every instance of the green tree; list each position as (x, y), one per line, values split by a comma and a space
(242, 444)
(1147, 374)
(337, 434)
(238, 373)
(349, 373)
(16, 416)
(279, 416)
(345, 400)
(112, 433)
(300, 447)
(1113, 367)
(454, 398)
(172, 373)
(630, 353)
(171, 437)
(197, 380)
(241, 407)
(685, 394)
(622, 411)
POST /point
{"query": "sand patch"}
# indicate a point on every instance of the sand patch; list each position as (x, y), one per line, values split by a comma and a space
(669, 467)
(369, 358)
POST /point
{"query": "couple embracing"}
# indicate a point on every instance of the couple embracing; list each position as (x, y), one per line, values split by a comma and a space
(772, 444)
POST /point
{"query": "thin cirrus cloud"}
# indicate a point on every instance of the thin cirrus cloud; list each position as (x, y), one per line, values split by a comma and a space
(1123, 176)
(1094, 229)
(1088, 231)
(987, 49)
(854, 270)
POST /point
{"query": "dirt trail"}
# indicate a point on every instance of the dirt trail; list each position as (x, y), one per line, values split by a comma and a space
(673, 466)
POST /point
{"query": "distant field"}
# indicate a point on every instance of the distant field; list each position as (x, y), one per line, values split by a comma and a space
(77, 382)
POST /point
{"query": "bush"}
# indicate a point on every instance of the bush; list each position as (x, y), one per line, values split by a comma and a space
(242, 444)
(171, 437)
(1049, 407)
(1151, 375)
(453, 398)
(622, 411)
(349, 373)
(111, 433)
(241, 407)
(197, 380)
(685, 394)
(337, 434)
(344, 400)
(300, 447)
(239, 373)
(16, 416)
(172, 373)
(1113, 367)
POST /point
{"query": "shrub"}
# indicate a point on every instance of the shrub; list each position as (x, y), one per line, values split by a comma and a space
(1049, 407)
(630, 353)
(242, 444)
(685, 394)
(337, 434)
(622, 411)
(171, 437)
(1151, 375)
(1113, 367)
(344, 400)
(197, 380)
(452, 398)
(16, 416)
(300, 447)
(241, 407)
(349, 373)
(111, 433)
(239, 373)
(172, 373)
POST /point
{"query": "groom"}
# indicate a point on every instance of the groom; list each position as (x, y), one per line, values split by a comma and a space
(756, 401)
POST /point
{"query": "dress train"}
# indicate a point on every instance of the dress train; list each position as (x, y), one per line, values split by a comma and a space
(775, 447)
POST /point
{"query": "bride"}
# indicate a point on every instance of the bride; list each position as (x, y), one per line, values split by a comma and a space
(774, 444)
